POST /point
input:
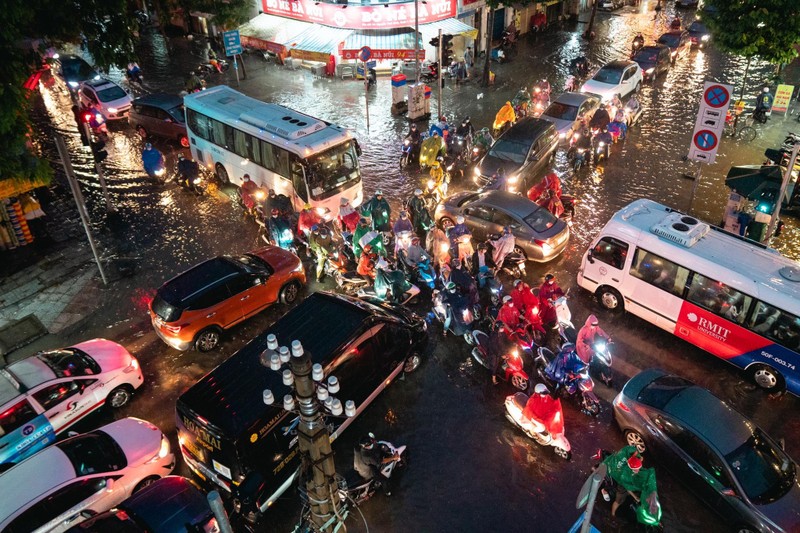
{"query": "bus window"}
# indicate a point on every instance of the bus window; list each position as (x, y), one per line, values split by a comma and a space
(660, 272)
(719, 298)
(255, 149)
(218, 133)
(776, 325)
(297, 179)
(199, 124)
(611, 251)
(241, 144)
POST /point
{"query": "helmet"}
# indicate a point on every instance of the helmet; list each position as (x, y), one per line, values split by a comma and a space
(436, 164)
(246, 177)
(403, 214)
(271, 192)
(450, 286)
(456, 263)
(413, 126)
(379, 193)
(506, 299)
(443, 118)
(181, 157)
(460, 219)
(417, 192)
(435, 133)
(567, 347)
(766, 89)
(315, 228)
(344, 201)
(367, 442)
(275, 212)
(635, 462)
(382, 264)
(467, 119)
(549, 277)
(324, 231)
(307, 206)
(148, 146)
(362, 221)
(540, 388)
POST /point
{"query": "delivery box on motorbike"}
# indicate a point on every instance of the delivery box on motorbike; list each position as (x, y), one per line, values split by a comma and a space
(226, 432)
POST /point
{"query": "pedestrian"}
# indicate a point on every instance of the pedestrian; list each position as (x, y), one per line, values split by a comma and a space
(469, 57)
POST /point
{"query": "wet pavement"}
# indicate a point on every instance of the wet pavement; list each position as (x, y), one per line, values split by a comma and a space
(470, 470)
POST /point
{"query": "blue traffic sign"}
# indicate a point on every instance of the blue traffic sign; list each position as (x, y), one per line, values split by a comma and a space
(365, 53)
(372, 64)
(705, 140)
(233, 43)
(716, 96)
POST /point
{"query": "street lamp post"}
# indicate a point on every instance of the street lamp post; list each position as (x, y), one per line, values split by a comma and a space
(325, 508)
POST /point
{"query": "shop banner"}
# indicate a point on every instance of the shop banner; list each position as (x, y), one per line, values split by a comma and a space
(782, 97)
(385, 54)
(357, 17)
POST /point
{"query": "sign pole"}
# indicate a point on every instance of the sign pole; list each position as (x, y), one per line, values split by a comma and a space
(366, 92)
(416, 39)
(100, 175)
(236, 68)
(773, 221)
(439, 81)
(695, 184)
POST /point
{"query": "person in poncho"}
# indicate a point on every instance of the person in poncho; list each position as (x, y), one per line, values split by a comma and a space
(625, 468)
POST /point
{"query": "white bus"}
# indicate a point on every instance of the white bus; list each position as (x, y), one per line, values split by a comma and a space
(307, 159)
(730, 296)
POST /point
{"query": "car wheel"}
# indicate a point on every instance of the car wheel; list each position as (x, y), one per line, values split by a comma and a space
(519, 382)
(184, 140)
(766, 378)
(638, 87)
(119, 397)
(142, 132)
(412, 362)
(290, 292)
(446, 223)
(207, 340)
(222, 174)
(634, 438)
(146, 482)
(610, 298)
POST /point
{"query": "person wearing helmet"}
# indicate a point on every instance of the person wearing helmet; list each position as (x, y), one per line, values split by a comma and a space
(366, 263)
(551, 181)
(193, 83)
(625, 467)
(414, 137)
(188, 171)
(763, 105)
(509, 315)
(402, 229)
(153, 161)
(564, 363)
(347, 216)
(544, 412)
(523, 296)
(421, 218)
(279, 230)
(378, 209)
(549, 292)
(368, 458)
(391, 284)
(438, 245)
(361, 230)
(502, 246)
(465, 129)
(247, 192)
(589, 335)
(505, 117)
(552, 203)
(307, 218)
(461, 239)
(281, 202)
(320, 242)
(464, 280)
(415, 254)
(459, 316)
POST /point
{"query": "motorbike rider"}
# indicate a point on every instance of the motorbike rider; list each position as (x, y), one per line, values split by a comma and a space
(457, 308)
(625, 468)
(415, 254)
(631, 108)
(509, 314)
(544, 409)
(134, 72)
(499, 181)
(552, 203)
(583, 145)
(522, 295)
(390, 284)
(347, 216)
(281, 202)
(307, 219)
(483, 139)
(247, 191)
(460, 239)
(571, 84)
(675, 24)
(464, 281)
(414, 137)
(152, 160)
(366, 263)
(603, 136)
(589, 334)
(600, 119)
(505, 115)
(320, 242)
(548, 293)
(438, 245)
(279, 228)
(579, 65)
(637, 43)
(551, 181)
(369, 457)
(542, 90)
(378, 209)
(465, 129)
(503, 246)
(439, 178)
(188, 170)
(193, 83)
(496, 347)
(763, 105)
(419, 214)
(361, 230)
(402, 224)
(482, 264)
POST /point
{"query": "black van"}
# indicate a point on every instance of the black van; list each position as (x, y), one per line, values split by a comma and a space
(226, 431)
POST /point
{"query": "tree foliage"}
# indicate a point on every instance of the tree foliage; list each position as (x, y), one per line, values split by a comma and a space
(228, 14)
(769, 29)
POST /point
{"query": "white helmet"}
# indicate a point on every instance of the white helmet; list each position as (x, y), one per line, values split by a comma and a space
(540, 388)
(506, 299)
(459, 219)
(417, 192)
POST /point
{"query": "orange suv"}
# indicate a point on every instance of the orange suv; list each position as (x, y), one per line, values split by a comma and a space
(193, 308)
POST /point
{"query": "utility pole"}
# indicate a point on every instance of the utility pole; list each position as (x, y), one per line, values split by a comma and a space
(588, 495)
(773, 221)
(326, 511)
(416, 39)
(98, 168)
(439, 52)
(76, 193)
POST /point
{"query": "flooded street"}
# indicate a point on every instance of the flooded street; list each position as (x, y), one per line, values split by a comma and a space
(469, 469)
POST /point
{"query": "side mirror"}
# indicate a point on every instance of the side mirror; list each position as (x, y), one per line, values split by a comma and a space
(87, 514)
(589, 257)
(358, 148)
(257, 281)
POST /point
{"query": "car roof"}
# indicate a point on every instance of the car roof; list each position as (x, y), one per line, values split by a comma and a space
(31, 479)
(527, 129)
(196, 279)
(620, 64)
(8, 390)
(168, 504)
(98, 84)
(512, 203)
(573, 99)
(163, 101)
(228, 396)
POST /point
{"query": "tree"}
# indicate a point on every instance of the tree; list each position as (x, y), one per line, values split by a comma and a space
(102, 25)
(768, 29)
(590, 27)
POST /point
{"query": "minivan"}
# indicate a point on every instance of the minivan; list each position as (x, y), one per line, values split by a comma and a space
(227, 433)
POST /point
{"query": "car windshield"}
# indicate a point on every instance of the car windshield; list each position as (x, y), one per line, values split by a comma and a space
(77, 69)
(764, 471)
(608, 75)
(69, 362)
(178, 113)
(646, 56)
(562, 111)
(697, 27)
(670, 39)
(93, 453)
(540, 220)
(253, 263)
(111, 93)
(510, 150)
(332, 169)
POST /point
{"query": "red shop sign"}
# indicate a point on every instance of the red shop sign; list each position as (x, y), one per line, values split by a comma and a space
(361, 17)
(384, 54)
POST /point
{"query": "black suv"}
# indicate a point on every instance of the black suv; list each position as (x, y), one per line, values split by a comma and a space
(74, 71)
(161, 115)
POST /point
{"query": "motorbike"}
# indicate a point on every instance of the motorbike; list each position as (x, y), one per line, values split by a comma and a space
(636, 46)
(432, 74)
(508, 43)
(421, 272)
(566, 329)
(341, 266)
(208, 68)
(368, 291)
(97, 123)
(512, 367)
(601, 145)
(575, 379)
(541, 101)
(372, 78)
(356, 489)
(579, 66)
(521, 102)
(514, 262)
(195, 185)
(134, 76)
(609, 488)
(441, 310)
(408, 152)
(631, 116)
(515, 405)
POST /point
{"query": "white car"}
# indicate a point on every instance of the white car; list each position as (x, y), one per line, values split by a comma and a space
(43, 395)
(618, 77)
(77, 478)
(569, 110)
(107, 97)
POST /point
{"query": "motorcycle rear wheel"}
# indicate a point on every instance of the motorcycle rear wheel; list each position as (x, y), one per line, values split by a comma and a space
(561, 452)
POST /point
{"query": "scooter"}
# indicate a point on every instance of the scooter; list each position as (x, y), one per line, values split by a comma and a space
(566, 329)
(432, 75)
(195, 185)
(422, 272)
(341, 266)
(512, 367)
(514, 262)
(408, 151)
(208, 68)
(442, 310)
(575, 379)
(97, 123)
(515, 405)
(356, 489)
(368, 291)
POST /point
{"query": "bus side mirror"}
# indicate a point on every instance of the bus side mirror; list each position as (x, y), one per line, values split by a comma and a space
(589, 257)
(358, 148)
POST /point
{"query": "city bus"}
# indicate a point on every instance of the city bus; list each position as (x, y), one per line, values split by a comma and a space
(728, 295)
(307, 159)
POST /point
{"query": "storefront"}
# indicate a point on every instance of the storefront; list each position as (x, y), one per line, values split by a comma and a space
(267, 32)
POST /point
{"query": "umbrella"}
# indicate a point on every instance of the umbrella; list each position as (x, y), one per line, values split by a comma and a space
(752, 181)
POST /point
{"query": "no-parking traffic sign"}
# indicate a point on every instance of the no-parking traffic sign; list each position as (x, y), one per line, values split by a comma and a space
(710, 122)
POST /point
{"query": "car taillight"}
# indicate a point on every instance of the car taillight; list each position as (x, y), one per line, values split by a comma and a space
(132, 367)
(618, 402)
(546, 246)
(172, 329)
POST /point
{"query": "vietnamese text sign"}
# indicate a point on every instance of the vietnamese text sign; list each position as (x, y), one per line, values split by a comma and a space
(710, 122)
(233, 44)
(360, 17)
(782, 96)
(384, 54)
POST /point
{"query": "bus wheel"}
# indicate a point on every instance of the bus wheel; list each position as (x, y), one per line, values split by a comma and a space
(610, 298)
(222, 174)
(767, 378)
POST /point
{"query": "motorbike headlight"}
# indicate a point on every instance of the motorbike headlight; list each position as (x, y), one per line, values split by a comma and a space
(112, 110)
(431, 184)
(445, 247)
(673, 54)
(477, 172)
(407, 142)
(601, 144)
(287, 234)
(705, 38)
(650, 70)
(475, 150)
(600, 347)
(450, 167)
(513, 179)
(196, 181)
(73, 84)
(160, 172)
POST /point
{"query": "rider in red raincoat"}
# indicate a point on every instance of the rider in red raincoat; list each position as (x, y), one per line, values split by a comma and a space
(548, 293)
(549, 182)
(543, 408)
(307, 219)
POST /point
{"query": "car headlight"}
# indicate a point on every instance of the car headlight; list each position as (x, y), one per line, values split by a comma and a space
(477, 172)
(650, 70)
(562, 135)
(112, 110)
(73, 84)
(96, 78)
(163, 451)
(705, 37)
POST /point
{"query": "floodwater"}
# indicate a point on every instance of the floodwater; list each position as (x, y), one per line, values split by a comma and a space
(469, 469)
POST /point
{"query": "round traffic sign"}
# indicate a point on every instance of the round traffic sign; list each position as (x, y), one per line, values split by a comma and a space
(716, 96)
(705, 140)
(365, 53)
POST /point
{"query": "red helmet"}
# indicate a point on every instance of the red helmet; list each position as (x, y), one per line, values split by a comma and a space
(635, 462)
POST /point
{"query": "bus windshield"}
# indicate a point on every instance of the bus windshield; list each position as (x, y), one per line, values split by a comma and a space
(332, 169)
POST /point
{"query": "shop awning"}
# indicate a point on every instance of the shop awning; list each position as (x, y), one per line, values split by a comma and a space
(270, 32)
(451, 27)
(397, 43)
(317, 42)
